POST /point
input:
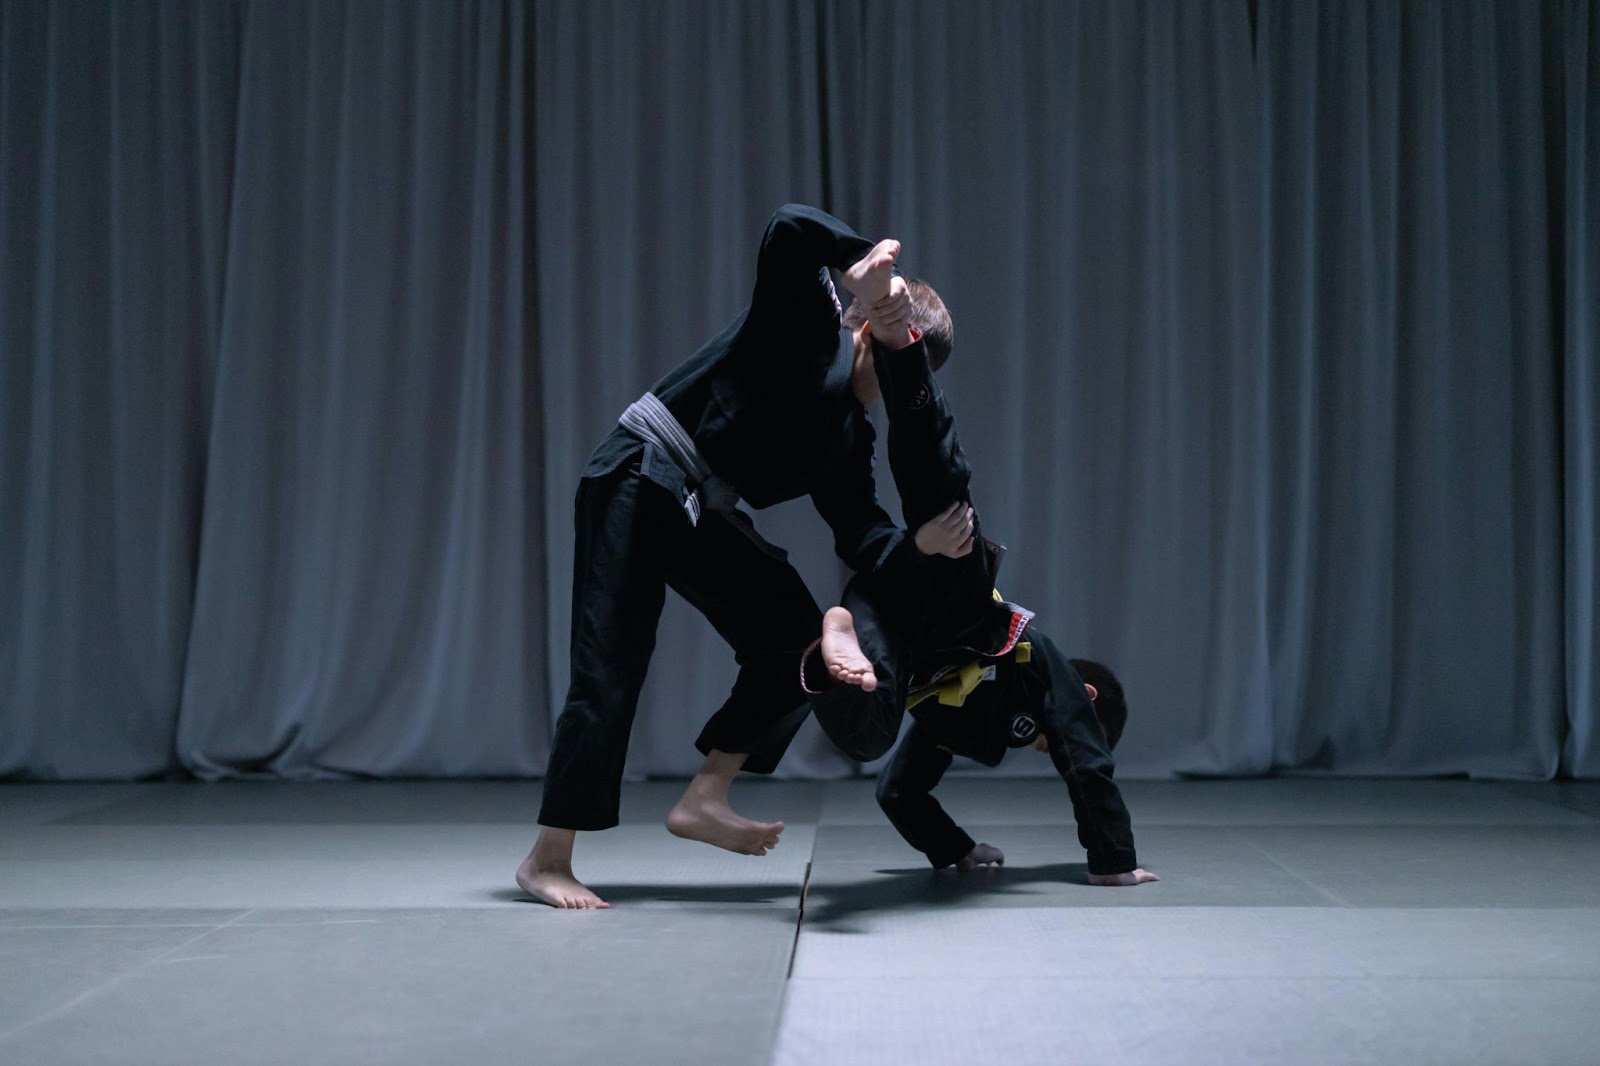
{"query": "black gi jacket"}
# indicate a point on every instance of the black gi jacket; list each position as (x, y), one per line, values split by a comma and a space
(769, 406)
(768, 400)
(954, 621)
(1044, 695)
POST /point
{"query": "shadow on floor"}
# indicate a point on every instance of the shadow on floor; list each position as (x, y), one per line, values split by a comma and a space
(831, 905)
(636, 893)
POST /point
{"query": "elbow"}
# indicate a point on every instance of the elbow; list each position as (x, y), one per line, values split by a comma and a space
(788, 213)
(783, 225)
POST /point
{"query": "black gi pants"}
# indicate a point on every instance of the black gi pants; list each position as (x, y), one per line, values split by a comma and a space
(900, 618)
(633, 541)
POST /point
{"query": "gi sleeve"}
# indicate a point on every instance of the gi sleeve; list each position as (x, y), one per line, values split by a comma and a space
(925, 456)
(1082, 756)
(847, 499)
(905, 793)
(793, 288)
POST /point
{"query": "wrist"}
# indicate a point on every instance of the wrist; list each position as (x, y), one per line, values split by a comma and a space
(893, 338)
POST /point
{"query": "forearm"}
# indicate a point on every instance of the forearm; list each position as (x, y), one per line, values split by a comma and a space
(875, 547)
(1104, 828)
(1083, 758)
(905, 792)
(929, 468)
(846, 497)
(883, 295)
(926, 826)
(893, 335)
(793, 291)
(808, 238)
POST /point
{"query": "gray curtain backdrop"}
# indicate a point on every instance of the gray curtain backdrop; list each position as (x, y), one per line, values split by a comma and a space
(1278, 358)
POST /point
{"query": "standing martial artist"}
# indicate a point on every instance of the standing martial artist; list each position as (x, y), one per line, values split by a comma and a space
(769, 410)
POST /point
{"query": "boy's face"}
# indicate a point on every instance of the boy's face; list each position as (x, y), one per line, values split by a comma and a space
(1042, 744)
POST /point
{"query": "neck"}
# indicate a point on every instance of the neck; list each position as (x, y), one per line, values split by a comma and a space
(863, 378)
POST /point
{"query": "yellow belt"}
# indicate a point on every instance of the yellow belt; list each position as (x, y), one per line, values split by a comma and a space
(953, 687)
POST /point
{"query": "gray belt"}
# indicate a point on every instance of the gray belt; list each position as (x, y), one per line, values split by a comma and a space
(648, 419)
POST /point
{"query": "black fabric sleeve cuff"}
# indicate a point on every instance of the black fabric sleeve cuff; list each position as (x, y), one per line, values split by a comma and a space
(950, 852)
(1116, 863)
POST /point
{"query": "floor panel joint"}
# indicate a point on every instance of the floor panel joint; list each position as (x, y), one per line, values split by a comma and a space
(799, 920)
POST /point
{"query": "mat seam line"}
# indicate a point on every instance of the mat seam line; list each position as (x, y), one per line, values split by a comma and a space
(800, 918)
(88, 994)
(1327, 893)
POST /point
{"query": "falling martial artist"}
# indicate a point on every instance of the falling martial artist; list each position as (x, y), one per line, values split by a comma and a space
(979, 676)
(770, 409)
(982, 712)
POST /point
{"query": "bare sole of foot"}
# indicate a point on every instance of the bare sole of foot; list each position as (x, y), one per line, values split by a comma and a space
(841, 651)
(557, 888)
(868, 278)
(717, 824)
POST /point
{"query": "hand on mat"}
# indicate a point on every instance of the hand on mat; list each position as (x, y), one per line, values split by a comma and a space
(948, 534)
(1136, 877)
(981, 855)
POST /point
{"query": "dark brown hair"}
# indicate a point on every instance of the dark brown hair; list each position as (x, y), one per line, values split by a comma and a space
(1110, 703)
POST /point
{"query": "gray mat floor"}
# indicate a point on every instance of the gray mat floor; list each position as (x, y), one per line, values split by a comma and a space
(1299, 921)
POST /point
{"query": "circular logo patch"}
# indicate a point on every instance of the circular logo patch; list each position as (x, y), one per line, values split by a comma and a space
(1023, 727)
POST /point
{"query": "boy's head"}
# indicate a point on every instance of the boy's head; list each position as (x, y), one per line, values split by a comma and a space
(928, 314)
(1110, 705)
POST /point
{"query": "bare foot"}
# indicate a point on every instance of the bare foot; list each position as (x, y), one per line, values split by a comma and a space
(981, 855)
(712, 821)
(1137, 877)
(868, 278)
(546, 875)
(842, 652)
